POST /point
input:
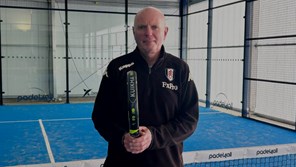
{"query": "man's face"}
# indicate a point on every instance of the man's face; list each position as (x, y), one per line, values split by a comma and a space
(149, 31)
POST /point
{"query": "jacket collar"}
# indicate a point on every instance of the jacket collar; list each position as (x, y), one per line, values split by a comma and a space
(137, 54)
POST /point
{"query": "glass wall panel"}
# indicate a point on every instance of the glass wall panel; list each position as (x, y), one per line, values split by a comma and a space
(34, 45)
(226, 51)
(131, 40)
(25, 3)
(25, 47)
(272, 67)
(227, 55)
(94, 41)
(58, 54)
(172, 42)
(97, 6)
(217, 3)
(197, 46)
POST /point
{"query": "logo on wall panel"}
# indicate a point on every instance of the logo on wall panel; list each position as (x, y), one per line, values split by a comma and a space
(35, 94)
(221, 100)
(86, 92)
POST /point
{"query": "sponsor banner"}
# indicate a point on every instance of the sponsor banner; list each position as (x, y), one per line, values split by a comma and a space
(219, 155)
(268, 151)
(35, 94)
(238, 153)
(33, 97)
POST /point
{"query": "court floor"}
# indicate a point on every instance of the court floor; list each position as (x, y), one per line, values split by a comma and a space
(64, 135)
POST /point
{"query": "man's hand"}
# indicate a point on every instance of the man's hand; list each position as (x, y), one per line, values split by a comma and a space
(139, 144)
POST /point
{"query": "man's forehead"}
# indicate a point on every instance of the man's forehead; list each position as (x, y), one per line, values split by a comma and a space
(149, 21)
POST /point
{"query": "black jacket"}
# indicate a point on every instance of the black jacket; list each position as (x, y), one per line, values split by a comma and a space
(168, 106)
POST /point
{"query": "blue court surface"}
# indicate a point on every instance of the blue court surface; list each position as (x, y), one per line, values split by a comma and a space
(63, 134)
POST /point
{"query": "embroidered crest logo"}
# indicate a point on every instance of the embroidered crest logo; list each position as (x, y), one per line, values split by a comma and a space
(169, 72)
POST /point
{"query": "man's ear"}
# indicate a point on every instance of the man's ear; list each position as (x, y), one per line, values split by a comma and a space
(166, 29)
(133, 29)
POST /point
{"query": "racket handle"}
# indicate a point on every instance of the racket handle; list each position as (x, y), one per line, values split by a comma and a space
(133, 109)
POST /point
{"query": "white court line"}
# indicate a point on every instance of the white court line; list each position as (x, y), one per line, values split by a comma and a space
(205, 113)
(24, 121)
(46, 142)
(81, 163)
(66, 119)
(45, 120)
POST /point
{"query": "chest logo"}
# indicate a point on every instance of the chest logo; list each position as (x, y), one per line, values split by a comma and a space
(170, 74)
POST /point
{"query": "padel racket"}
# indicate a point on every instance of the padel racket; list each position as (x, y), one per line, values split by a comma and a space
(133, 109)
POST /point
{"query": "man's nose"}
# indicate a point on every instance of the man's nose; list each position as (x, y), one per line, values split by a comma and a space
(148, 31)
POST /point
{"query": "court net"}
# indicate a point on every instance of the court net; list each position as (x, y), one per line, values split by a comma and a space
(261, 156)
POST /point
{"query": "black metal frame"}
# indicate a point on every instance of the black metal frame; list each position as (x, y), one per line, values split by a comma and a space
(1, 89)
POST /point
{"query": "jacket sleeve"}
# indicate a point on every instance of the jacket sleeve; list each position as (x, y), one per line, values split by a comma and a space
(103, 115)
(185, 121)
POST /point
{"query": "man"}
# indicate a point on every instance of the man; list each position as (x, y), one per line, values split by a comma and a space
(168, 100)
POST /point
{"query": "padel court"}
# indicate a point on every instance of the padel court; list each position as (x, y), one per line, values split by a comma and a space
(59, 135)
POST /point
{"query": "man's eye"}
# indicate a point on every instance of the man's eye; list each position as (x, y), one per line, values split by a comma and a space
(154, 27)
(142, 27)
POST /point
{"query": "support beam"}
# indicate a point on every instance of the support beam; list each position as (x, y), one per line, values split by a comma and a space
(1, 88)
(247, 53)
(209, 54)
(183, 13)
(67, 91)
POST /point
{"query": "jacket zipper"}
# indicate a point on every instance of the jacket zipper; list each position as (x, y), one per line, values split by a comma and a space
(149, 84)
